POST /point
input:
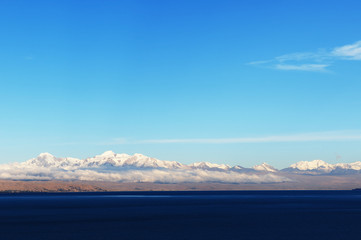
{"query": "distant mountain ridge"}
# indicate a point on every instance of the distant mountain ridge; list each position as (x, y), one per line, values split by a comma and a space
(322, 167)
(110, 166)
(109, 158)
(137, 160)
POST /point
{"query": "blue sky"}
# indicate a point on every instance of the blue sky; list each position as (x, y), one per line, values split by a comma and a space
(236, 82)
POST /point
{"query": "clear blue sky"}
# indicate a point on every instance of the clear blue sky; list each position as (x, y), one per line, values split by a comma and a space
(236, 82)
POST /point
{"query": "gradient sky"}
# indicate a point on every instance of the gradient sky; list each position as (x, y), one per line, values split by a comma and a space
(236, 82)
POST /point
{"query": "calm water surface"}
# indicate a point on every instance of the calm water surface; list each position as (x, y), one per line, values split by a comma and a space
(182, 215)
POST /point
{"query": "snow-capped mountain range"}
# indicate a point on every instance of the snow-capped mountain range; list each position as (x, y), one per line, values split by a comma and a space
(111, 166)
(321, 167)
(111, 159)
(106, 159)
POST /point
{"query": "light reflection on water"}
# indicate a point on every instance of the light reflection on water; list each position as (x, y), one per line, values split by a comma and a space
(256, 195)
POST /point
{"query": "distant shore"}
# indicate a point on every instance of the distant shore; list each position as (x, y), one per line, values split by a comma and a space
(352, 182)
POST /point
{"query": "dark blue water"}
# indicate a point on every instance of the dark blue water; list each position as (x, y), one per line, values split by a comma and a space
(182, 215)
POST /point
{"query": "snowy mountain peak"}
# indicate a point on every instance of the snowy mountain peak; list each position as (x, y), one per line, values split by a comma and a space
(43, 160)
(208, 165)
(45, 155)
(312, 165)
(324, 167)
(107, 154)
(265, 167)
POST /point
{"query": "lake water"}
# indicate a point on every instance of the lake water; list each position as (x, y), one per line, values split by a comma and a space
(182, 215)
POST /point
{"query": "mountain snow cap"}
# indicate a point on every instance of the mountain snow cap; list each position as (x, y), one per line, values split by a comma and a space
(45, 155)
(265, 167)
(311, 165)
(107, 154)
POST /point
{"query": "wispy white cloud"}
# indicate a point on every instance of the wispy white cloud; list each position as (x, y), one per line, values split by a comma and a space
(317, 61)
(349, 52)
(316, 57)
(260, 62)
(303, 67)
(347, 135)
(306, 137)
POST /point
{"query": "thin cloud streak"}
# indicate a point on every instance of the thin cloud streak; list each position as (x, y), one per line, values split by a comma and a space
(348, 135)
(317, 61)
(319, 56)
(349, 52)
(303, 67)
(323, 136)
